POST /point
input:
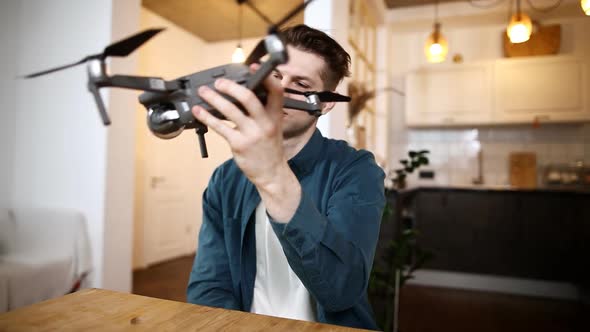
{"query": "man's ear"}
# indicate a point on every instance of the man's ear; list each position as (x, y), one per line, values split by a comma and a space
(327, 107)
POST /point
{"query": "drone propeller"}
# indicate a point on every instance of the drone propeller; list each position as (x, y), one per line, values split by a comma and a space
(274, 28)
(120, 48)
(56, 69)
(329, 96)
(323, 96)
(260, 48)
(128, 45)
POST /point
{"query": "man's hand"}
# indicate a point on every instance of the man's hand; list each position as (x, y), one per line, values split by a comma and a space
(256, 141)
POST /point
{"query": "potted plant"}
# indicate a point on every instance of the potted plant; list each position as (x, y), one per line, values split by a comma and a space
(400, 255)
(415, 160)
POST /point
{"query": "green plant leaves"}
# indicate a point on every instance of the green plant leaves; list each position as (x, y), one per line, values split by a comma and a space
(403, 254)
(417, 159)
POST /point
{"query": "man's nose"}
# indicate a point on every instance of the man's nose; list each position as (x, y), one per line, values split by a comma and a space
(284, 82)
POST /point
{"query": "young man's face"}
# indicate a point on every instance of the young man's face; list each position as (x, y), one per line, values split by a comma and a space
(302, 73)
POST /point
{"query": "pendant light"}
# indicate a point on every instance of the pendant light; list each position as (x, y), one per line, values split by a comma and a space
(585, 6)
(238, 56)
(520, 28)
(436, 46)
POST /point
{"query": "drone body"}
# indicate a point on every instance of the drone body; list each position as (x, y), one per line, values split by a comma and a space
(169, 103)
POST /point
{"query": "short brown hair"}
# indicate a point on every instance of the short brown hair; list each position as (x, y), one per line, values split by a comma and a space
(319, 43)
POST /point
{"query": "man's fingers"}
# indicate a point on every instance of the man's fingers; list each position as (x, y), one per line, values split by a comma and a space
(214, 123)
(254, 67)
(228, 109)
(243, 95)
(276, 95)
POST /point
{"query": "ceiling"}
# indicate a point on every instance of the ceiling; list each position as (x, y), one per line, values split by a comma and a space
(217, 20)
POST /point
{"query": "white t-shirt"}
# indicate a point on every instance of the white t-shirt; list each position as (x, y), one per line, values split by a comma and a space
(277, 290)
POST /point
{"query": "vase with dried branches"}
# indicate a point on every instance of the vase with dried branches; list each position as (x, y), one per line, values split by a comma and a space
(359, 95)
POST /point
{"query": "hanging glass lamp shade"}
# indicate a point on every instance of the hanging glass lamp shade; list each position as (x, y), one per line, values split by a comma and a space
(520, 28)
(238, 56)
(436, 46)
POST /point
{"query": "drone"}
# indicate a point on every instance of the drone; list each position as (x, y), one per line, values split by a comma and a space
(169, 103)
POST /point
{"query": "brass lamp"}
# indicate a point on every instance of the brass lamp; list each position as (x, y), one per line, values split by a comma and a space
(436, 46)
(238, 56)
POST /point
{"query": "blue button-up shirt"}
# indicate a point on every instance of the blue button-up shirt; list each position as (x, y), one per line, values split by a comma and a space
(329, 243)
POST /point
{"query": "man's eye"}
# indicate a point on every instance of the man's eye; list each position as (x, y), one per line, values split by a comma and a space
(276, 75)
(303, 85)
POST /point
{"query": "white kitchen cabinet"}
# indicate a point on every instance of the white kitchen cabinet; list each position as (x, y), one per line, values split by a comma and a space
(449, 95)
(543, 89)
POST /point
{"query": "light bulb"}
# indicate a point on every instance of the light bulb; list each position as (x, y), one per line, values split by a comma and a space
(436, 47)
(520, 28)
(585, 6)
(238, 56)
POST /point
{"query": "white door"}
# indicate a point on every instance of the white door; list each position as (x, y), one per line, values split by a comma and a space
(169, 218)
(174, 178)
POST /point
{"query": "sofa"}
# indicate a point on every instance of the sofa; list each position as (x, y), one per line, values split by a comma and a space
(44, 253)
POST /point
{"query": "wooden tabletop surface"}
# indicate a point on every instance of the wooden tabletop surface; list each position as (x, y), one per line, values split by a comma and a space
(104, 310)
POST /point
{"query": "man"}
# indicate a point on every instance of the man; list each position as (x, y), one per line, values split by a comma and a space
(290, 224)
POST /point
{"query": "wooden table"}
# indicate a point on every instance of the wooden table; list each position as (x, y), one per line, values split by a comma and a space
(104, 310)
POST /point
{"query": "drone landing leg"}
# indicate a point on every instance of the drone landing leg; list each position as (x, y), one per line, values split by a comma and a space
(201, 130)
(101, 109)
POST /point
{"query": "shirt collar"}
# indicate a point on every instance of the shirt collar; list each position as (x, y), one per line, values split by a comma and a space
(304, 160)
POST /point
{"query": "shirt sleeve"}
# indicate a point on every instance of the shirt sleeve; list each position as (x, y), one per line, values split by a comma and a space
(210, 280)
(333, 254)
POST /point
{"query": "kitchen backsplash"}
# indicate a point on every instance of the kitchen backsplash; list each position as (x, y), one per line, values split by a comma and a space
(454, 152)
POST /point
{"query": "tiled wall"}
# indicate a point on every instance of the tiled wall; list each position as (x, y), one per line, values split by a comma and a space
(454, 152)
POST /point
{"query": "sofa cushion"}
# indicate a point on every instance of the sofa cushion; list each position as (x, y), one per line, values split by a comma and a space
(27, 281)
(46, 233)
(7, 231)
(48, 253)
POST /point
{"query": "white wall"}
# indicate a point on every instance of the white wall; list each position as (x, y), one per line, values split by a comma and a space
(60, 142)
(8, 73)
(477, 36)
(61, 149)
(119, 191)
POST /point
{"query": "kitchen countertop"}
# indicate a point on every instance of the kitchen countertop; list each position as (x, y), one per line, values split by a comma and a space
(496, 188)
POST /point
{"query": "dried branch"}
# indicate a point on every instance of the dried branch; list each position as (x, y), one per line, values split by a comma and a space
(359, 97)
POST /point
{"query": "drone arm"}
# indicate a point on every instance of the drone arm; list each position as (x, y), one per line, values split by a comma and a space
(278, 55)
(153, 84)
(311, 108)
